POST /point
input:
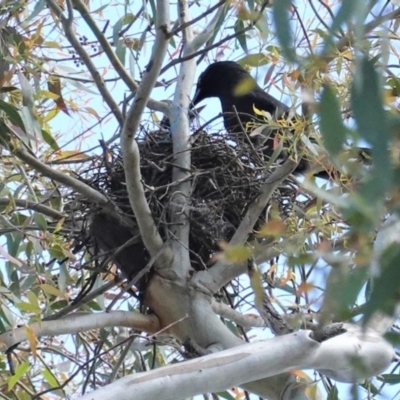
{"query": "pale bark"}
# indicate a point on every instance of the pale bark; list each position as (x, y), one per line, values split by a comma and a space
(81, 322)
(130, 151)
(249, 362)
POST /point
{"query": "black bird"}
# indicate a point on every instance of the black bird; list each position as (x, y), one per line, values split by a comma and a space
(238, 93)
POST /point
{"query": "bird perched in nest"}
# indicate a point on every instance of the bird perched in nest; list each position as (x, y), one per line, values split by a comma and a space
(238, 93)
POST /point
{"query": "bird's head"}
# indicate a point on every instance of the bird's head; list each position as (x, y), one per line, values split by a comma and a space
(223, 79)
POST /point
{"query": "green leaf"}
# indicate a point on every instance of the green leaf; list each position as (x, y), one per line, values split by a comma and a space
(19, 373)
(365, 205)
(118, 43)
(48, 138)
(254, 60)
(13, 243)
(6, 316)
(8, 89)
(40, 221)
(343, 286)
(153, 9)
(218, 26)
(394, 83)
(332, 128)
(28, 307)
(50, 378)
(283, 29)
(52, 291)
(10, 35)
(39, 7)
(57, 251)
(33, 299)
(344, 14)
(58, 305)
(120, 51)
(12, 114)
(226, 395)
(386, 287)
(333, 394)
(2, 327)
(241, 37)
(100, 9)
(371, 120)
(94, 305)
(391, 379)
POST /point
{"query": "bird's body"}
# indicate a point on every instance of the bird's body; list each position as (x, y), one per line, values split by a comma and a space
(239, 93)
(224, 79)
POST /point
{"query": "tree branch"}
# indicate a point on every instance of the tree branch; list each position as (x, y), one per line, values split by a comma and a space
(179, 121)
(198, 18)
(251, 362)
(346, 40)
(31, 205)
(75, 323)
(115, 62)
(98, 79)
(207, 33)
(130, 151)
(222, 272)
(180, 136)
(85, 190)
(246, 321)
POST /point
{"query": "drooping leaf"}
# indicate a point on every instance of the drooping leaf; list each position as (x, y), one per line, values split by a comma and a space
(226, 395)
(332, 128)
(40, 221)
(27, 91)
(12, 114)
(48, 138)
(8, 257)
(118, 43)
(333, 394)
(54, 85)
(37, 9)
(371, 119)
(30, 335)
(345, 13)
(283, 29)
(254, 60)
(19, 373)
(33, 128)
(50, 378)
(53, 291)
(257, 286)
(343, 286)
(386, 287)
(391, 379)
(28, 307)
(241, 36)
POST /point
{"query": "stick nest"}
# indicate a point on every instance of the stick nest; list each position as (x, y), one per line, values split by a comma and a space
(226, 176)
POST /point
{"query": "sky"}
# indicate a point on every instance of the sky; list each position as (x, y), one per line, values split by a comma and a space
(68, 127)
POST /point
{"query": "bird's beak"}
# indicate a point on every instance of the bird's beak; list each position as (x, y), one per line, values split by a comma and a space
(197, 98)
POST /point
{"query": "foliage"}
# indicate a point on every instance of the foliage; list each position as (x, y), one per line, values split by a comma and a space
(63, 97)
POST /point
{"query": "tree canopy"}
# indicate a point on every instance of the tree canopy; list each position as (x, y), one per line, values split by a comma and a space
(143, 244)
